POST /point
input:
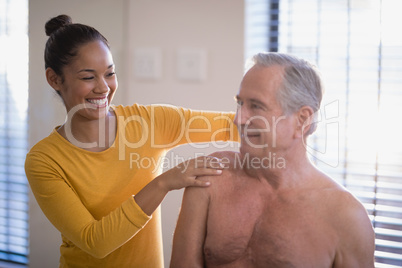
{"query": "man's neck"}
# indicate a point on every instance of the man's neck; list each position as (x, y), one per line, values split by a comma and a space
(285, 171)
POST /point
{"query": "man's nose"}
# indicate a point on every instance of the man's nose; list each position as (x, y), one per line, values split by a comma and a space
(241, 117)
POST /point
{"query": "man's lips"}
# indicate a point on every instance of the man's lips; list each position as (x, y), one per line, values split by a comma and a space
(251, 134)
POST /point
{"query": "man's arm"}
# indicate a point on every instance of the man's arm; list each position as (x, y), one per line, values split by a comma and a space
(189, 236)
(357, 238)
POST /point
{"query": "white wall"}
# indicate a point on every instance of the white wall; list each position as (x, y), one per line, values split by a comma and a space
(213, 26)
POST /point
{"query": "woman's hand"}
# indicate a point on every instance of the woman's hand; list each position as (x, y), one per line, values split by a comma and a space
(182, 175)
(186, 173)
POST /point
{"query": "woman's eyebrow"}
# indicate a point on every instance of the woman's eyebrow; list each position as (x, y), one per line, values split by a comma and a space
(86, 70)
(92, 70)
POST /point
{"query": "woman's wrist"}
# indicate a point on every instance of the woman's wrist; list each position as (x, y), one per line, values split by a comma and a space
(152, 195)
(161, 183)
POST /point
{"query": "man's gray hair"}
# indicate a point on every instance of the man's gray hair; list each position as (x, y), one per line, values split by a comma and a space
(301, 84)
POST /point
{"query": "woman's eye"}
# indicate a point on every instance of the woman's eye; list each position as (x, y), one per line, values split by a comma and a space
(111, 74)
(87, 78)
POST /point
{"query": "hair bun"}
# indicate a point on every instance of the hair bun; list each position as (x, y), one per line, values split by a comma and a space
(56, 23)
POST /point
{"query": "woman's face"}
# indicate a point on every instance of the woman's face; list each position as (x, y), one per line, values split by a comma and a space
(89, 82)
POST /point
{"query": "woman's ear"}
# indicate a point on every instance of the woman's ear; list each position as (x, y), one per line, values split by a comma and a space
(305, 117)
(54, 80)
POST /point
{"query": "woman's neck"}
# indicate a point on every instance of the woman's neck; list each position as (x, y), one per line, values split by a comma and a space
(91, 135)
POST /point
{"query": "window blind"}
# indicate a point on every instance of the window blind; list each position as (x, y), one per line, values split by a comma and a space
(256, 26)
(13, 130)
(356, 46)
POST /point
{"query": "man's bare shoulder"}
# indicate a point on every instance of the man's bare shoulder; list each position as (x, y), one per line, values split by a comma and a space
(230, 171)
(346, 209)
(339, 195)
(348, 216)
(226, 157)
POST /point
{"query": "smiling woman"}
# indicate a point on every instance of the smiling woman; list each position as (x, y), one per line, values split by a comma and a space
(87, 87)
(81, 174)
(81, 71)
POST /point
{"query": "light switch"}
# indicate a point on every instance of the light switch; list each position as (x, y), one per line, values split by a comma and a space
(147, 63)
(192, 65)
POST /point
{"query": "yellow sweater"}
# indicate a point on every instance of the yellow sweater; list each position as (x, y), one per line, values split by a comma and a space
(88, 196)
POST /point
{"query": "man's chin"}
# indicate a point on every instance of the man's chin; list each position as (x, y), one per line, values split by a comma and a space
(251, 148)
(246, 152)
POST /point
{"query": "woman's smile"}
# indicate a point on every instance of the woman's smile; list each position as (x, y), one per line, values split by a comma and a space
(98, 102)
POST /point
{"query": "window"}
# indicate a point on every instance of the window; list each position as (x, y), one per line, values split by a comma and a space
(13, 130)
(355, 45)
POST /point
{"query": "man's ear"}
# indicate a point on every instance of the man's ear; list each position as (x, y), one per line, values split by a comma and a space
(305, 117)
(54, 80)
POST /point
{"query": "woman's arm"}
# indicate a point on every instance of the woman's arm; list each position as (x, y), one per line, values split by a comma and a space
(65, 210)
(175, 126)
(183, 175)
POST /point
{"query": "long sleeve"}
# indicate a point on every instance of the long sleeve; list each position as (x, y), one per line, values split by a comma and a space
(172, 126)
(65, 210)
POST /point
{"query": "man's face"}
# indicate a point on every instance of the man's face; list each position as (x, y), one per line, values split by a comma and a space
(263, 126)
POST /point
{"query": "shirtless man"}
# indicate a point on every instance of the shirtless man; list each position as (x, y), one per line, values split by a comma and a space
(272, 207)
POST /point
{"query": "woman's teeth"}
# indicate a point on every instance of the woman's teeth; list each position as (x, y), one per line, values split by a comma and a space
(97, 101)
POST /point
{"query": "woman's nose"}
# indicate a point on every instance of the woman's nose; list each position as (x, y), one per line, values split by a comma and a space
(102, 87)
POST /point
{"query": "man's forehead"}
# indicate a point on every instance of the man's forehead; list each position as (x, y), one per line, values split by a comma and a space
(261, 82)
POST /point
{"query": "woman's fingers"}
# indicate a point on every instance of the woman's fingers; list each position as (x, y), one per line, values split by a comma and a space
(204, 162)
(200, 183)
(186, 173)
(205, 166)
(205, 171)
(208, 161)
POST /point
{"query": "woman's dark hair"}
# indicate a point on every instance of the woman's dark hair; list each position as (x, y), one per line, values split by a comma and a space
(65, 38)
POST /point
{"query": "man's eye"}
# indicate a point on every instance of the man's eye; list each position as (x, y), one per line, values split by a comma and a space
(88, 78)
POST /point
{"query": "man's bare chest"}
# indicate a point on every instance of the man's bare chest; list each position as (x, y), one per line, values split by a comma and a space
(265, 232)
